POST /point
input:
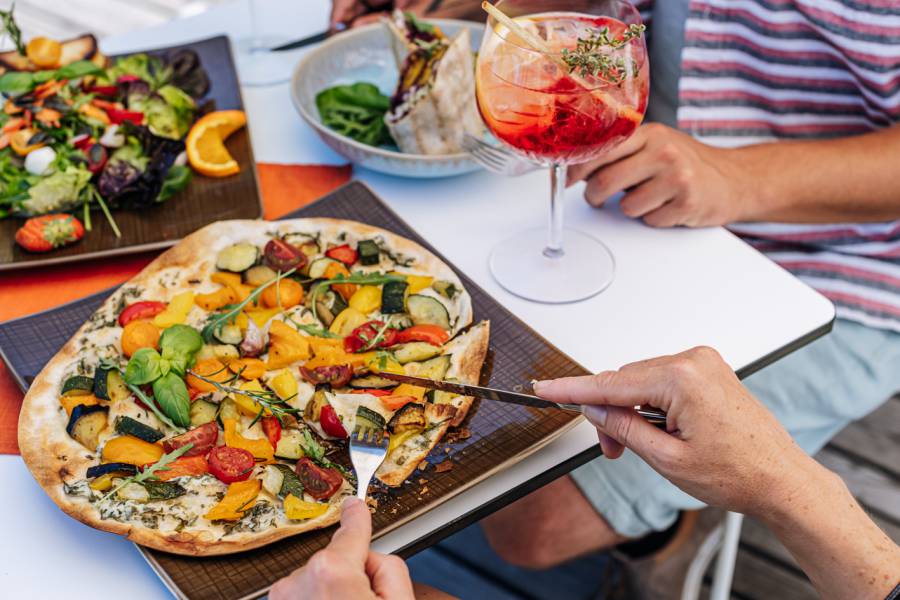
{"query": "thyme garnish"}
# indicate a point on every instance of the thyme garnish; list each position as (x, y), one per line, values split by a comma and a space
(149, 474)
(592, 55)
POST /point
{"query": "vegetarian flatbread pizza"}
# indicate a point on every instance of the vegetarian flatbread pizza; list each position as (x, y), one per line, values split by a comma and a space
(205, 407)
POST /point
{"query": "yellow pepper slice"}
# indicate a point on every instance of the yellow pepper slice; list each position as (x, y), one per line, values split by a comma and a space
(400, 438)
(131, 450)
(176, 312)
(366, 299)
(249, 368)
(240, 497)
(417, 283)
(286, 345)
(260, 449)
(405, 389)
(296, 509)
(348, 320)
(384, 363)
(284, 384)
(248, 405)
(261, 316)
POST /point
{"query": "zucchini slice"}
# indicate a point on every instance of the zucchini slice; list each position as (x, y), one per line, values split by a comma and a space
(259, 275)
(237, 257)
(202, 412)
(317, 267)
(368, 251)
(290, 445)
(372, 381)
(393, 296)
(229, 334)
(314, 407)
(128, 426)
(414, 352)
(78, 385)
(118, 468)
(87, 423)
(425, 310)
(108, 385)
(411, 416)
(445, 288)
(366, 417)
(228, 410)
(101, 383)
(435, 368)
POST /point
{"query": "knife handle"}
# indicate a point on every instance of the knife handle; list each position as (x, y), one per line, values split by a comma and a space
(654, 416)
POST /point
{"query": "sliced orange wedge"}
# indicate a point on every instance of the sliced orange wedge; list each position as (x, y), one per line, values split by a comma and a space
(206, 143)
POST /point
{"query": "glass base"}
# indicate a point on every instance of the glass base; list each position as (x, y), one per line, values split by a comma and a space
(585, 269)
(257, 66)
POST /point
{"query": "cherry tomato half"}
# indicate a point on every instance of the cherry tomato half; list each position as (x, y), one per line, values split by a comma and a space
(118, 115)
(318, 482)
(344, 254)
(281, 256)
(140, 310)
(272, 428)
(230, 464)
(431, 334)
(331, 423)
(373, 392)
(203, 438)
(366, 337)
(334, 375)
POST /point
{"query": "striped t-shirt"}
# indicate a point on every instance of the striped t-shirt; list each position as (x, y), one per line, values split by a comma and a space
(761, 70)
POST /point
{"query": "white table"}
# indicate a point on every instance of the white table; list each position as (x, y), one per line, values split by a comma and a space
(673, 290)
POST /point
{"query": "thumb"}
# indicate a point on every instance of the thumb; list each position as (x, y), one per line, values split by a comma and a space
(633, 431)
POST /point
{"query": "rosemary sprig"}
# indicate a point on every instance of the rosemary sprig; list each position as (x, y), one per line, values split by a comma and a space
(11, 29)
(356, 278)
(267, 399)
(592, 56)
(217, 322)
(149, 474)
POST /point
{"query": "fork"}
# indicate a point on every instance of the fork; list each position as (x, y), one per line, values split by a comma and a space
(497, 159)
(368, 447)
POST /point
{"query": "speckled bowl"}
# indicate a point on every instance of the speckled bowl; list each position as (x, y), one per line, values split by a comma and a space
(364, 54)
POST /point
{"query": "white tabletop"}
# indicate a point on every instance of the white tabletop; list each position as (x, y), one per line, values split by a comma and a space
(674, 289)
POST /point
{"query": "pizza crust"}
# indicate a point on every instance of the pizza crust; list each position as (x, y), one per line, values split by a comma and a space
(54, 458)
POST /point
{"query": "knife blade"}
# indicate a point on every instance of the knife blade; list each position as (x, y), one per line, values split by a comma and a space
(652, 415)
(312, 39)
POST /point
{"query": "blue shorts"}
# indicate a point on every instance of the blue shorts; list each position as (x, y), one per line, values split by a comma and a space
(815, 392)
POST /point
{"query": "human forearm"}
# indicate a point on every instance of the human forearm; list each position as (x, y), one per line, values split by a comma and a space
(853, 179)
(844, 553)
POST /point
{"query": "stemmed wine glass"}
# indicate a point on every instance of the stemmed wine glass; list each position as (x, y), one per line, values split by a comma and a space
(257, 65)
(560, 82)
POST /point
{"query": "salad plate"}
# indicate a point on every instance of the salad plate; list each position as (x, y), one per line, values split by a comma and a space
(159, 224)
(367, 55)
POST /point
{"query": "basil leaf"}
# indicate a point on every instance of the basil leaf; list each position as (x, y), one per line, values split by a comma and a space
(172, 396)
(179, 344)
(143, 367)
(77, 69)
(16, 82)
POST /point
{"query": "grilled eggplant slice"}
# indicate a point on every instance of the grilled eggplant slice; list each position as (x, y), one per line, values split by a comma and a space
(127, 426)
(87, 423)
(117, 468)
(411, 416)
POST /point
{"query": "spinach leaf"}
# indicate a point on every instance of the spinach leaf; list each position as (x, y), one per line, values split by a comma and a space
(171, 394)
(143, 367)
(179, 344)
(291, 484)
(356, 111)
(14, 83)
(77, 69)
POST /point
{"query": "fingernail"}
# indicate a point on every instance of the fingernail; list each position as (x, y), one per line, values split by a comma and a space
(539, 386)
(596, 415)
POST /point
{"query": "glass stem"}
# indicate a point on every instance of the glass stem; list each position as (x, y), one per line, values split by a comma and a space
(554, 248)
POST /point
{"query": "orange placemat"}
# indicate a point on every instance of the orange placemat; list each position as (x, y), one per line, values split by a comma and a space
(284, 188)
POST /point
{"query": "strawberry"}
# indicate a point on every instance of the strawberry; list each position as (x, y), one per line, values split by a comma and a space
(44, 233)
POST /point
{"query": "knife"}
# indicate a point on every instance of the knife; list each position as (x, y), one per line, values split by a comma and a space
(652, 415)
(313, 39)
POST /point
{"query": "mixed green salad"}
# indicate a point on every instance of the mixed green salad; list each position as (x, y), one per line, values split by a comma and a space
(95, 134)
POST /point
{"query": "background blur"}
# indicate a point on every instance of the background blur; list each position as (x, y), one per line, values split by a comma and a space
(60, 19)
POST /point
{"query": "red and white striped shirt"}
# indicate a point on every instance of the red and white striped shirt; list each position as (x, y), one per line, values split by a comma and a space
(761, 70)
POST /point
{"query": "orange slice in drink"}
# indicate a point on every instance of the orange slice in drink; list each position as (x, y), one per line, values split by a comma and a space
(206, 143)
